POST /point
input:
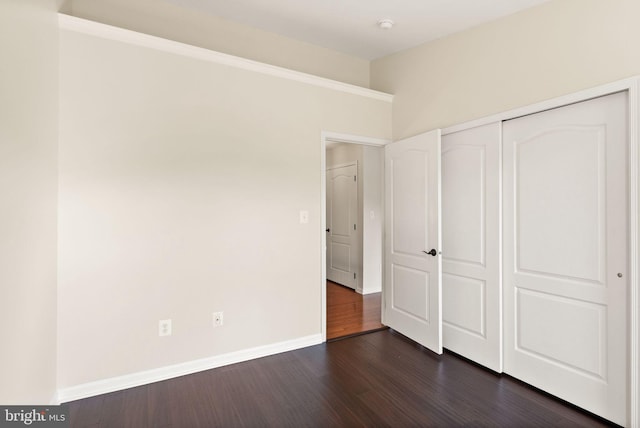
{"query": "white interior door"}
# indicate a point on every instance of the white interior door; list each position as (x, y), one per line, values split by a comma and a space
(342, 211)
(471, 280)
(565, 253)
(412, 303)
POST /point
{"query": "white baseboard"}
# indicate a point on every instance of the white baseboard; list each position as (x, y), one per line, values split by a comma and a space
(163, 373)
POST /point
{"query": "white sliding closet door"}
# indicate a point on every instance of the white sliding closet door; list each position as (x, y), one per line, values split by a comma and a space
(471, 291)
(565, 253)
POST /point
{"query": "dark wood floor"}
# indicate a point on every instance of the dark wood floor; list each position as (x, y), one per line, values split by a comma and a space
(377, 379)
(351, 313)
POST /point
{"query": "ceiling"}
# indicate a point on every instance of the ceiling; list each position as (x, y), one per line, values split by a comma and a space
(350, 26)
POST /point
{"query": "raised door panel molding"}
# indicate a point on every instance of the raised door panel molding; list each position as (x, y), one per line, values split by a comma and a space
(552, 190)
(463, 204)
(410, 292)
(567, 318)
(410, 170)
(464, 304)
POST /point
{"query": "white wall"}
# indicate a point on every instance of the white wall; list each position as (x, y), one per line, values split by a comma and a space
(554, 49)
(28, 182)
(181, 183)
(168, 20)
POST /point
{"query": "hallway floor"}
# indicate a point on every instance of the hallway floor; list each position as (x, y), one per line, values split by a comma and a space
(350, 313)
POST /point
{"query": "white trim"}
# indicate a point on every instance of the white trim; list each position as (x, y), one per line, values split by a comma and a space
(598, 91)
(79, 25)
(323, 237)
(632, 86)
(634, 247)
(163, 373)
(338, 138)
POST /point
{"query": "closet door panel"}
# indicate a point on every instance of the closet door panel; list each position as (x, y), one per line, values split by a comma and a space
(412, 294)
(471, 290)
(565, 253)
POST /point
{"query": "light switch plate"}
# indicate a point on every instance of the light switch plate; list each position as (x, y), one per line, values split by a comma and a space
(304, 217)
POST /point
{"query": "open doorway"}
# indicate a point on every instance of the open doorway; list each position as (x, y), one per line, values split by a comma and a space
(353, 226)
(350, 313)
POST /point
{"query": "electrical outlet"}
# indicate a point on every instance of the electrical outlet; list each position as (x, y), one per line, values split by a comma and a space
(164, 328)
(218, 319)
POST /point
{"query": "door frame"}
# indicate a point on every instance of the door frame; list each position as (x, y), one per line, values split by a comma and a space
(632, 87)
(335, 137)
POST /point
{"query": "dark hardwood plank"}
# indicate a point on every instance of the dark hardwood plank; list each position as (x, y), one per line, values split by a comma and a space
(86, 412)
(377, 379)
(136, 407)
(350, 313)
(159, 403)
(113, 410)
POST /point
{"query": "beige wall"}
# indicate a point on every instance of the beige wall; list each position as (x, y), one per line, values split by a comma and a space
(181, 183)
(28, 146)
(163, 19)
(554, 49)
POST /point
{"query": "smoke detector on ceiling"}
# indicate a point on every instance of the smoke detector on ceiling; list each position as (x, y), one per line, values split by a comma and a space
(385, 24)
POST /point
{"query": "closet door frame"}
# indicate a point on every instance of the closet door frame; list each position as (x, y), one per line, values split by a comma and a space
(632, 87)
